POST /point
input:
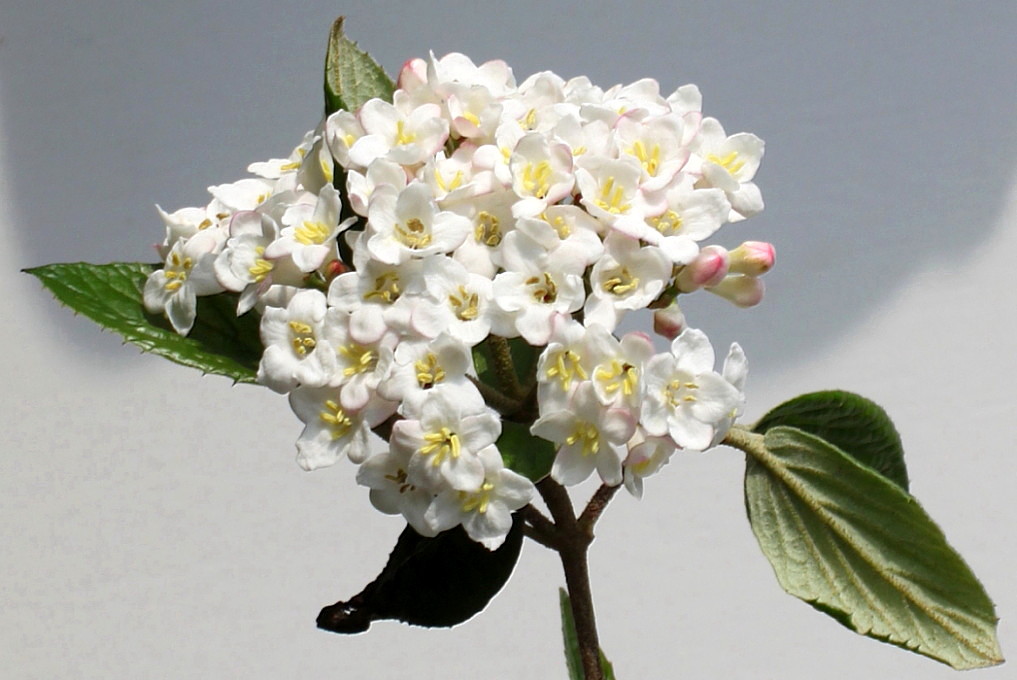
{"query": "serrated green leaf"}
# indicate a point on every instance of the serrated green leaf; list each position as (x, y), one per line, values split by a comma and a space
(857, 426)
(573, 660)
(523, 453)
(111, 295)
(352, 77)
(858, 547)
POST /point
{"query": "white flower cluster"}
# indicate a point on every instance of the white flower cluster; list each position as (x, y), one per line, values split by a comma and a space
(477, 208)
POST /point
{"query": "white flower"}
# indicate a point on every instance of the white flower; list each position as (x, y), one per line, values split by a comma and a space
(379, 298)
(360, 366)
(399, 132)
(589, 436)
(424, 366)
(330, 431)
(409, 225)
(242, 266)
(684, 397)
(618, 375)
(187, 273)
(485, 512)
(463, 306)
(626, 277)
(730, 163)
(295, 351)
(646, 456)
(443, 442)
(530, 299)
(387, 475)
(310, 235)
(541, 174)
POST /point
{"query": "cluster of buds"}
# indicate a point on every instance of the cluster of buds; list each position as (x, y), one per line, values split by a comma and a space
(399, 240)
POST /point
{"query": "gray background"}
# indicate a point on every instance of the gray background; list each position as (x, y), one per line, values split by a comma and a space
(153, 522)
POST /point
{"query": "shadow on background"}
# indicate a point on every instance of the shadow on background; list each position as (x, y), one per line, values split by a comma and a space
(890, 129)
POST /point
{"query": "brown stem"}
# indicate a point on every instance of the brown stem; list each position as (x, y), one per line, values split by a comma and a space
(595, 507)
(539, 528)
(573, 545)
(504, 367)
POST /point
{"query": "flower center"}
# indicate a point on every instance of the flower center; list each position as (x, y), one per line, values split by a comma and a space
(668, 224)
(543, 290)
(486, 229)
(429, 371)
(618, 376)
(402, 136)
(178, 271)
(414, 235)
(338, 422)
(612, 198)
(311, 233)
(677, 392)
(464, 304)
(588, 435)
(261, 267)
(621, 283)
(650, 159)
(440, 444)
(537, 178)
(386, 288)
(565, 367)
(728, 162)
(477, 500)
(302, 337)
(359, 359)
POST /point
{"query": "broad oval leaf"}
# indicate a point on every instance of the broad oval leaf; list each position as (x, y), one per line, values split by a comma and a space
(432, 582)
(111, 295)
(351, 76)
(857, 426)
(530, 456)
(856, 546)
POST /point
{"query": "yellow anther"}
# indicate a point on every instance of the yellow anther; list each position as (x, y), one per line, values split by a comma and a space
(402, 136)
(429, 371)
(612, 198)
(442, 443)
(311, 233)
(621, 283)
(359, 359)
(447, 187)
(204, 224)
(668, 224)
(414, 235)
(386, 288)
(289, 167)
(472, 117)
(543, 290)
(477, 500)
(618, 376)
(727, 162)
(649, 159)
(529, 121)
(302, 337)
(566, 366)
(334, 415)
(588, 435)
(486, 229)
(261, 267)
(536, 179)
(465, 304)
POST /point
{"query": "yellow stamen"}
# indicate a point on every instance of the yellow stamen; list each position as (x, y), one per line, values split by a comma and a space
(442, 443)
(360, 359)
(386, 288)
(612, 198)
(588, 435)
(727, 162)
(302, 337)
(546, 293)
(339, 423)
(486, 229)
(414, 235)
(429, 371)
(311, 233)
(621, 283)
(465, 304)
(536, 179)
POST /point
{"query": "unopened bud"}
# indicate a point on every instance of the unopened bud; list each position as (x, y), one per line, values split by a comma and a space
(742, 290)
(708, 269)
(669, 321)
(334, 269)
(754, 258)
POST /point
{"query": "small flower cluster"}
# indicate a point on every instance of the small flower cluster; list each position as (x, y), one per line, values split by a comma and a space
(469, 210)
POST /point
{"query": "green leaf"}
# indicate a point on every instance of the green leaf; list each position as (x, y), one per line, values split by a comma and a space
(435, 582)
(855, 425)
(523, 453)
(856, 546)
(351, 76)
(111, 295)
(573, 660)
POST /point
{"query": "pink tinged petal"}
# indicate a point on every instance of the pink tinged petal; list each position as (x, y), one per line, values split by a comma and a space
(367, 325)
(407, 436)
(617, 426)
(554, 427)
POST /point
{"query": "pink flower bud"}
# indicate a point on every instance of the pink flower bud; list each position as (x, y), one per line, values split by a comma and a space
(708, 269)
(741, 289)
(669, 322)
(754, 258)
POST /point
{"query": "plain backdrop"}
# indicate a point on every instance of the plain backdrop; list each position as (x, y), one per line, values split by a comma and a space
(153, 523)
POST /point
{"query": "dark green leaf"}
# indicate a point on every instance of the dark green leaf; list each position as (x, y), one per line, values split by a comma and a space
(351, 76)
(433, 582)
(111, 295)
(573, 660)
(852, 423)
(523, 453)
(856, 546)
